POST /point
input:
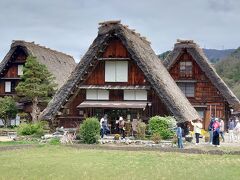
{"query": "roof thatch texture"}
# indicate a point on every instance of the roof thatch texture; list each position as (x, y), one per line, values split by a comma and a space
(59, 64)
(198, 55)
(141, 52)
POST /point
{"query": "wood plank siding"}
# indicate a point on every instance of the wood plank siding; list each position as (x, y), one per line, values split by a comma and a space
(206, 95)
(71, 115)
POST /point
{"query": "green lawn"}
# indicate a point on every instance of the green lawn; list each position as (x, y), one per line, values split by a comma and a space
(59, 162)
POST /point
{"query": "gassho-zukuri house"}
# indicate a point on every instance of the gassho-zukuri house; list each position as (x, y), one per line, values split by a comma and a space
(11, 67)
(200, 83)
(120, 75)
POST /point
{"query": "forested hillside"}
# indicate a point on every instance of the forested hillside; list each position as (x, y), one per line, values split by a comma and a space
(214, 55)
(229, 70)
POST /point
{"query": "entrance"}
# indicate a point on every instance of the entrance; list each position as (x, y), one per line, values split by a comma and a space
(114, 114)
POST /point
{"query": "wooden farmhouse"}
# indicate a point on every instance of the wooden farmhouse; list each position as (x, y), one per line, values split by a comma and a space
(11, 68)
(200, 82)
(120, 75)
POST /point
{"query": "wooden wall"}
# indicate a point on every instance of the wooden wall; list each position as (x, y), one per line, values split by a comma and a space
(115, 49)
(97, 77)
(11, 70)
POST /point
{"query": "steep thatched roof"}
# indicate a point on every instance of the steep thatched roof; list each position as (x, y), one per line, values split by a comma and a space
(58, 63)
(141, 52)
(198, 55)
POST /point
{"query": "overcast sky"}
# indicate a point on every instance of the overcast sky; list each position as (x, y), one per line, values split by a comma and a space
(70, 26)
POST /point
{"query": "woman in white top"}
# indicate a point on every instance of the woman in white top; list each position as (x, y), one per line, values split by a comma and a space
(197, 126)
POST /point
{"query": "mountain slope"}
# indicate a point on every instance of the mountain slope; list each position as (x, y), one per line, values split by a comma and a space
(214, 55)
(229, 70)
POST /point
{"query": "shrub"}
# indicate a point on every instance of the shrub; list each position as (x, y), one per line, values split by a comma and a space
(90, 130)
(156, 138)
(35, 129)
(141, 129)
(54, 141)
(160, 125)
(117, 136)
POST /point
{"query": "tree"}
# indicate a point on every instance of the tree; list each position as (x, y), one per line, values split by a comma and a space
(8, 109)
(37, 84)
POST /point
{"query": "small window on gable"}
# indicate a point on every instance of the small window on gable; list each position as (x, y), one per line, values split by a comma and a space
(20, 70)
(97, 94)
(186, 69)
(7, 86)
(116, 71)
(187, 88)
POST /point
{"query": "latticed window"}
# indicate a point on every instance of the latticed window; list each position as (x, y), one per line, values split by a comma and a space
(187, 88)
(186, 69)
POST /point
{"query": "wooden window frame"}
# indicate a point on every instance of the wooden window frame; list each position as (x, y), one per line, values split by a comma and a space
(115, 77)
(186, 69)
(188, 88)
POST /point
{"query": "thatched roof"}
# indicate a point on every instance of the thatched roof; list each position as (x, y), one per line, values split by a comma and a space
(59, 64)
(198, 55)
(143, 55)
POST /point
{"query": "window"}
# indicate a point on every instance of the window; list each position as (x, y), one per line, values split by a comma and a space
(187, 88)
(186, 69)
(20, 70)
(7, 86)
(97, 94)
(200, 112)
(135, 95)
(116, 71)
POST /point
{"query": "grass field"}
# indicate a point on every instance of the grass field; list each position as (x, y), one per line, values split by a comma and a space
(59, 162)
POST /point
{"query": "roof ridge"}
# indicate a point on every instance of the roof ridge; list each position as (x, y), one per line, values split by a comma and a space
(108, 24)
(41, 46)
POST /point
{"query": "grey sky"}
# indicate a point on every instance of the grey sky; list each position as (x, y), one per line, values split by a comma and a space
(70, 26)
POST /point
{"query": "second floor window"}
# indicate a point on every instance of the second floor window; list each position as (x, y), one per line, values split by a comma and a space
(97, 94)
(8, 87)
(186, 69)
(116, 71)
(20, 70)
(187, 88)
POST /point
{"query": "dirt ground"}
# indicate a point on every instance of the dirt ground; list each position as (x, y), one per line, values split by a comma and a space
(5, 139)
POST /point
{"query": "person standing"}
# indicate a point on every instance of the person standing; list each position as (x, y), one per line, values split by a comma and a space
(210, 130)
(216, 130)
(179, 136)
(222, 129)
(237, 130)
(122, 127)
(197, 126)
(231, 126)
(102, 124)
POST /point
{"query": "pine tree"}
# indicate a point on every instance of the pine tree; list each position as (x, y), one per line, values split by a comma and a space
(37, 84)
(8, 109)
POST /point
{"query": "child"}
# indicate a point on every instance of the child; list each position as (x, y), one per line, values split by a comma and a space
(179, 136)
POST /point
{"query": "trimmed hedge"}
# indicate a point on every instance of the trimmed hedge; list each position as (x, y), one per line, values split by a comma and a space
(35, 129)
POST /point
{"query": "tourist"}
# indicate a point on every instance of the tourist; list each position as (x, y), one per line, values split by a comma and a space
(216, 131)
(179, 136)
(197, 126)
(122, 127)
(102, 130)
(237, 130)
(210, 129)
(222, 129)
(231, 127)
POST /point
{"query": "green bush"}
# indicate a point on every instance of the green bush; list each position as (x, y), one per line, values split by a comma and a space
(141, 129)
(35, 129)
(160, 125)
(54, 141)
(90, 130)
